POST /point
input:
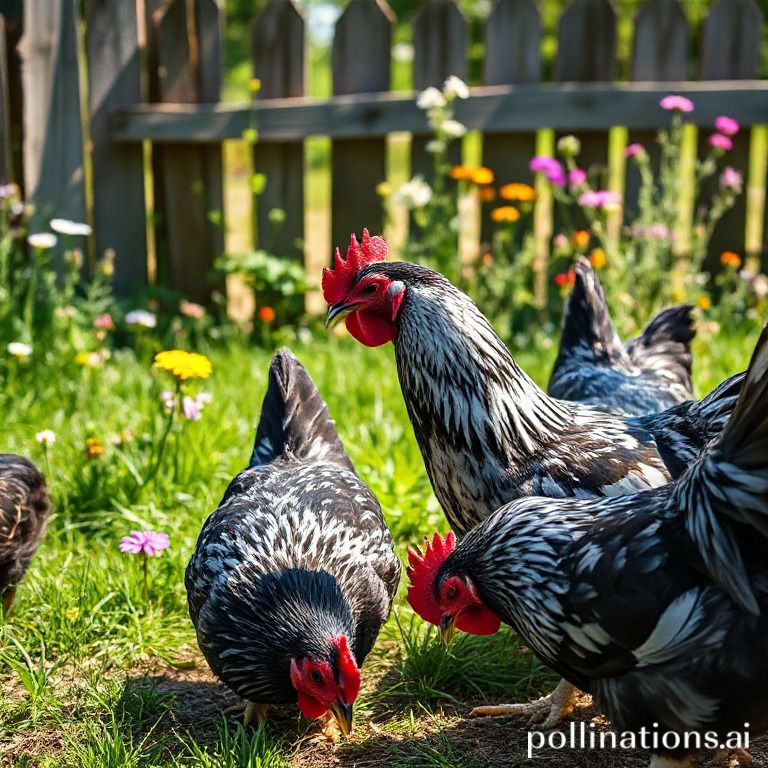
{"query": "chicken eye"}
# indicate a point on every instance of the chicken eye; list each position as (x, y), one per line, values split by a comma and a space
(450, 592)
(316, 677)
(371, 288)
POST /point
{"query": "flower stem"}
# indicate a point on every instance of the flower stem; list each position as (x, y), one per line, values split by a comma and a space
(164, 438)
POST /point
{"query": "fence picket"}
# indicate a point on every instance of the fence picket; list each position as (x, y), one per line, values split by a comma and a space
(114, 72)
(6, 160)
(358, 165)
(277, 41)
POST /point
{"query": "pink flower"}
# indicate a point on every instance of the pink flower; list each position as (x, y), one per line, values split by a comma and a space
(719, 141)
(550, 167)
(104, 322)
(560, 241)
(191, 409)
(168, 400)
(634, 150)
(726, 125)
(731, 179)
(577, 177)
(599, 199)
(677, 103)
(190, 309)
(150, 543)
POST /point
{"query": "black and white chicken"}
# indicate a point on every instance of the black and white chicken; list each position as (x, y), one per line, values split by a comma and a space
(651, 373)
(24, 509)
(294, 574)
(655, 602)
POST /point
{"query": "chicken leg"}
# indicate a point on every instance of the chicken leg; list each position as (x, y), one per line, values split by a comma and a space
(550, 710)
(249, 710)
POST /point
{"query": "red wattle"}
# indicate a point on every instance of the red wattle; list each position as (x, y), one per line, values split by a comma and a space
(310, 707)
(370, 328)
(478, 620)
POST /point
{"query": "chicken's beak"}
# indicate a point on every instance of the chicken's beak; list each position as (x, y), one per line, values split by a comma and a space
(343, 715)
(339, 311)
(447, 629)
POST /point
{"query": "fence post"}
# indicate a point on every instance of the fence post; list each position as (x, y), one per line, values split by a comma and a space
(730, 50)
(114, 72)
(277, 46)
(189, 194)
(359, 164)
(53, 139)
(6, 162)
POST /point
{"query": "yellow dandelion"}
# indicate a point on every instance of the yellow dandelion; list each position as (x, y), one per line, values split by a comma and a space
(704, 302)
(482, 175)
(506, 213)
(598, 258)
(184, 365)
(254, 86)
(522, 192)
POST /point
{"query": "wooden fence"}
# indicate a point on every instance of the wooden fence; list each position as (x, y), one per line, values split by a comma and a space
(145, 74)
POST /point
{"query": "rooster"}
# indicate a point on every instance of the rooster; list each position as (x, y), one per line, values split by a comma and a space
(24, 510)
(488, 434)
(294, 574)
(652, 373)
(655, 602)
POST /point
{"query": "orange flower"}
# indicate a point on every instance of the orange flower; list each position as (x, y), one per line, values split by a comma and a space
(482, 175)
(581, 238)
(522, 192)
(461, 173)
(598, 258)
(704, 302)
(487, 194)
(506, 213)
(730, 259)
(94, 448)
(266, 315)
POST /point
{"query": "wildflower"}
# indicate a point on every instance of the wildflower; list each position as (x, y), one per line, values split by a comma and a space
(487, 194)
(506, 213)
(565, 278)
(184, 365)
(550, 167)
(461, 172)
(435, 146)
(72, 613)
(190, 309)
(107, 264)
(415, 193)
(123, 437)
(42, 240)
(168, 399)
(720, 141)
(726, 125)
(383, 189)
(561, 241)
(141, 318)
(19, 349)
(149, 543)
(104, 322)
(455, 88)
(597, 258)
(402, 52)
(704, 302)
(94, 448)
(577, 177)
(676, 103)
(430, 98)
(190, 409)
(8, 190)
(635, 150)
(658, 232)
(569, 146)
(482, 175)
(600, 199)
(732, 180)
(730, 259)
(254, 85)
(266, 315)
(46, 437)
(89, 359)
(525, 193)
(760, 286)
(453, 129)
(67, 227)
(581, 238)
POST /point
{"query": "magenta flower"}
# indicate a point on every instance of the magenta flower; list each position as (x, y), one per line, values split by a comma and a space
(719, 141)
(577, 177)
(550, 167)
(599, 199)
(634, 150)
(676, 103)
(150, 543)
(726, 125)
(732, 180)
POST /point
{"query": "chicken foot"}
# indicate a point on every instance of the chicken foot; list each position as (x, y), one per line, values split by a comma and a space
(249, 711)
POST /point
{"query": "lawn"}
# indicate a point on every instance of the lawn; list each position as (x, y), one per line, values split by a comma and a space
(96, 672)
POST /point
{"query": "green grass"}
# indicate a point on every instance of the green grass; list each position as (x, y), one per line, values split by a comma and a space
(96, 674)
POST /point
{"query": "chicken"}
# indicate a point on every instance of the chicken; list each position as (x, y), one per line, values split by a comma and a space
(656, 602)
(652, 373)
(295, 573)
(488, 434)
(24, 510)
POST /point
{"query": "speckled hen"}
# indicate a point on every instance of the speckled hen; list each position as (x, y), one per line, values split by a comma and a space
(656, 602)
(24, 510)
(294, 573)
(651, 373)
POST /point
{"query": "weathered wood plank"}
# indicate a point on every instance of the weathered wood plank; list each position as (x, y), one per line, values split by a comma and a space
(53, 157)
(730, 50)
(277, 45)
(501, 109)
(512, 55)
(6, 160)
(114, 71)
(440, 35)
(13, 17)
(357, 165)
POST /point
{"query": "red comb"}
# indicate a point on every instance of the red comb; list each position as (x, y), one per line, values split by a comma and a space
(422, 572)
(350, 674)
(338, 281)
